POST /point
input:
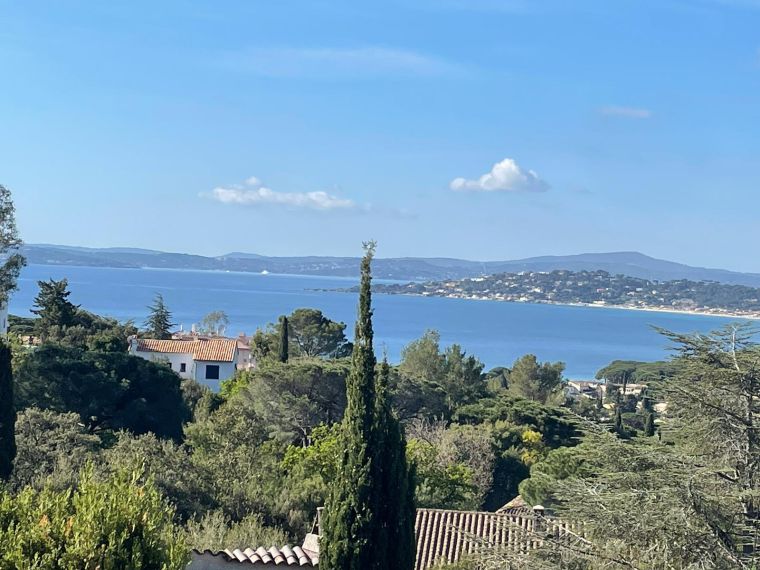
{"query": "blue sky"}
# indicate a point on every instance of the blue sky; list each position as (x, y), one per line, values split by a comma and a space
(484, 129)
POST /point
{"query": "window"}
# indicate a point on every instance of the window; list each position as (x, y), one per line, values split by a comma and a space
(182, 367)
(212, 372)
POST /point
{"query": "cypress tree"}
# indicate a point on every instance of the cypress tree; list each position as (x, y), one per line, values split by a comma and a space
(7, 414)
(395, 498)
(283, 356)
(649, 425)
(369, 516)
(619, 422)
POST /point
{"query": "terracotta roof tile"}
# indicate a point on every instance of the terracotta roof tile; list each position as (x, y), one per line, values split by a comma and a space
(262, 557)
(216, 350)
(447, 536)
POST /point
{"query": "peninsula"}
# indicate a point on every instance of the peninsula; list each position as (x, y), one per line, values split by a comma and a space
(594, 288)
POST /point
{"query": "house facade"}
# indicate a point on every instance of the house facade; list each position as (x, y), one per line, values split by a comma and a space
(206, 360)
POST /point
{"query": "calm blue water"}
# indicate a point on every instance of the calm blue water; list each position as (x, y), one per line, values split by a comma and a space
(586, 339)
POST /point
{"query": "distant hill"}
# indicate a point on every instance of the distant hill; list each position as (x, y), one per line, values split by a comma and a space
(403, 268)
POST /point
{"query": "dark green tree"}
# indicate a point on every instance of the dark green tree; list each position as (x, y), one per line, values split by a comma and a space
(7, 414)
(9, 246)
(649, 425)
(618, 426)
(283, 353)
(369, 514)
(159, 322)
(396, 489)
(109, 390)
(53, 306)
(313, 334)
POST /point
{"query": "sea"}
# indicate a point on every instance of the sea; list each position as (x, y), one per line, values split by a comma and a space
(497, 332)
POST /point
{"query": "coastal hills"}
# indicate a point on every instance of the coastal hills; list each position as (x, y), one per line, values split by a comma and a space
(594, 288)
(632, 264)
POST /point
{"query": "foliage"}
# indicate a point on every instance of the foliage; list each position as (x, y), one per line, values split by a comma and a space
(10, 243)
(434, 383)
(497, 379)
(48, 443)
(111, 524)
(621, 372)
(226, 436)
(369, 515)
(215, 531)
(53, 307)
(291, 399)
(538, 382)
(283, 346)
(8, 447)
(455, 464)
(557, 427)
(194, 395)
(215, 323)
(649, 428)
(313, 334)
(159, 322)
(309, 334)
(109, 391)
(559, 464)
(167, 465)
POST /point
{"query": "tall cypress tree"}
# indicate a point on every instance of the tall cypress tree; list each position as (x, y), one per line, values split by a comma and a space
(649, 425)
(619, 422)
(283, 355)
(369, 515)
(7, 414)
(395, 493)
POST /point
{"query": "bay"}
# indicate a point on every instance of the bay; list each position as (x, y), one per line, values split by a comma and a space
(585, 338)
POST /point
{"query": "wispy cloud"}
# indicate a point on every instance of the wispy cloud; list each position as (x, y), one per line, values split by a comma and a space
(368, 61)
(505, 176)
(628, 112)
(254, 193)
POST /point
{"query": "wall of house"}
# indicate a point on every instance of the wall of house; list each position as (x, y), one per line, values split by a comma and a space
(175, 359)
(226, 371)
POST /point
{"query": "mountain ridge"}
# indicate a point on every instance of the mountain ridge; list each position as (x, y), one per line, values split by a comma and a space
(631, 263)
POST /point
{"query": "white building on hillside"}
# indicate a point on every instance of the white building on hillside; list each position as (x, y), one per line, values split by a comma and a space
(209, 361)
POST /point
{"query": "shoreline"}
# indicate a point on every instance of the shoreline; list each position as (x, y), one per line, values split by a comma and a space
(653, 309)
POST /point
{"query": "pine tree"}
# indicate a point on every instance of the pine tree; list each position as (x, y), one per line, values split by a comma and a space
(159, 322)
(369, 516)
(53, 306)
(283, 355)
(7, 414)
(649, 425)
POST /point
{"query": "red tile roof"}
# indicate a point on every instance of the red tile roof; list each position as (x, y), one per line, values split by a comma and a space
(214, 350)
(262, 557)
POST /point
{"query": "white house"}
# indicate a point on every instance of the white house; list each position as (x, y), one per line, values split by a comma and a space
(207, 360)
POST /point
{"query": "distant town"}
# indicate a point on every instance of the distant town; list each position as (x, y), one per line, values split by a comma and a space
(594, 288)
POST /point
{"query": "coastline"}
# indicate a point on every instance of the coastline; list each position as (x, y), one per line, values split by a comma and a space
(649, 309)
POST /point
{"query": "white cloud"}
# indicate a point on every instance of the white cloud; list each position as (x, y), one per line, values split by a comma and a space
(337, 62)
(254, 193)
(629, 112)
(505, 176)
